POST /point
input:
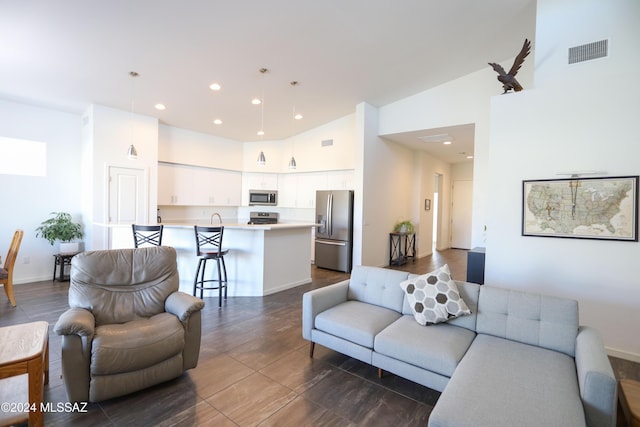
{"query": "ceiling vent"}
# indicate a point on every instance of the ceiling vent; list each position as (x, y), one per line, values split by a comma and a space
(327, 142)
(442, 137)
(589, 51)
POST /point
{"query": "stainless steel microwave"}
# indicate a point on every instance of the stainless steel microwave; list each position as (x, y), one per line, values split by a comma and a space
(263, 198)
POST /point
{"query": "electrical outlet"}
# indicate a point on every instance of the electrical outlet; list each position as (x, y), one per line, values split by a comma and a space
(26, 260)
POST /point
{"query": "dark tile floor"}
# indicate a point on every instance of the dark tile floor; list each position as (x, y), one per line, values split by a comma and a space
(254, 368)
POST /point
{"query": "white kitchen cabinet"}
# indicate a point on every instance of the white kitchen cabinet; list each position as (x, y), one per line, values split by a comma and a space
(173, 184)
(288, 190)
(340, 180)
(308, 184)
(260, 181)
(196, 186)
(226, 187)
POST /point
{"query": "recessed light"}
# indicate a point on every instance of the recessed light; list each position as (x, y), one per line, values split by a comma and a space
(447, 142)
(217, 122)
(260, 132)
(215, 86)
(298, 116)
(160, 107)
(256, 101)
(469, 157)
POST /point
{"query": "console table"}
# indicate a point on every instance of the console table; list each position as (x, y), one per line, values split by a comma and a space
(402, 245)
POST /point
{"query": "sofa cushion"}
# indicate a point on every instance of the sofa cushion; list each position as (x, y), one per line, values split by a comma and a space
(356, 321)
(378, 286)
(541, 320)
(136, 345)
(438, 348)
(434, 297)
(506, 383)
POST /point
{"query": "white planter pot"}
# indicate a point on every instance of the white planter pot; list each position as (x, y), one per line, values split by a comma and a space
(69, 247)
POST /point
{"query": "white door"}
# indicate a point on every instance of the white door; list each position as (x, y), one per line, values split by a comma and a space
(461, 197)
(127, 196)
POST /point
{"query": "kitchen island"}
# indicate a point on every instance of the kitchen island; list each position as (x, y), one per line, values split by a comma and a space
(262, 259)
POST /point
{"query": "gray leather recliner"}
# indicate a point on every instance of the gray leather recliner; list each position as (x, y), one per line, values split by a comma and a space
(128, 326)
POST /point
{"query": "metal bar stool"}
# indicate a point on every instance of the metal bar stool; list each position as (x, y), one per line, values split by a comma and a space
(209, 247)
(147, 235)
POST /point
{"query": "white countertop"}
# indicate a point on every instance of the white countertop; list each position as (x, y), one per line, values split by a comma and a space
(231, 226)
(240, 226)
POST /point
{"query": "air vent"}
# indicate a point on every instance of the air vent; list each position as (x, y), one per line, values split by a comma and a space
(439, 138)
(589, 51)
(327, 142)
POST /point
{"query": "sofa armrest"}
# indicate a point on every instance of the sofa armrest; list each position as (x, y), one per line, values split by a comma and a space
(76, 321)
(182, 305)
(598, 385)
(319, 300)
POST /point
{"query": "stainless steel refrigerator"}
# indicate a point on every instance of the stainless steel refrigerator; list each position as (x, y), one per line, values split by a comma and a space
(334, 235)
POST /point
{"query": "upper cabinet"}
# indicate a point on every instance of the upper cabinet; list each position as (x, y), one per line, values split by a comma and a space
(196, 186)
(184, 185)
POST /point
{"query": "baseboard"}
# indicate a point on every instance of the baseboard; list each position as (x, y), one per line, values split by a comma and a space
(623, 355)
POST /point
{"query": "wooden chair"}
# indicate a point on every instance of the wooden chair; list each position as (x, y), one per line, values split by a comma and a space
(6, 273)
(147, 234)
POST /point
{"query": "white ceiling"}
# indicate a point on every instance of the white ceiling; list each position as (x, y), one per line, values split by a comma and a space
(68, 54)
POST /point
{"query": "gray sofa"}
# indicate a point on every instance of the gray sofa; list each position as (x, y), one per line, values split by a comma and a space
(128, 326)
(519, 359)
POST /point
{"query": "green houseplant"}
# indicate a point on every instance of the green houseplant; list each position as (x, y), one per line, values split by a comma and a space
(405, 226)
(59, 227)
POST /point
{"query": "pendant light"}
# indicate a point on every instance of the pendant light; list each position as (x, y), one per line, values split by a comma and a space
(294, 117)
(132, 153)
(261, 158)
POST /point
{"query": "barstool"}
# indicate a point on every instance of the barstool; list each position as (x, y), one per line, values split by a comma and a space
(209, 246)
(147, 234)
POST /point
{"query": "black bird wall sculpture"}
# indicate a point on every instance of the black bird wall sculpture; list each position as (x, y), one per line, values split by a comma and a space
(508, 80)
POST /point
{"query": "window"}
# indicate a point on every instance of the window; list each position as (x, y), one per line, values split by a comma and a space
(22, 157)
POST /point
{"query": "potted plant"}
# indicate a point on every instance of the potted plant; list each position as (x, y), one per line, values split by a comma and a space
(404, 227)
(61, 227)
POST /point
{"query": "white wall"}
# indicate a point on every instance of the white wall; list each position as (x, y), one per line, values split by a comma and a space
(194, 148)
(388, 187)
(307, 149)
(579, 117)
(26, 200)
(107, 135)
(458, 102)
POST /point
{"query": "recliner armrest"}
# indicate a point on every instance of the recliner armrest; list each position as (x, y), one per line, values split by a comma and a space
(76, 321)
(598, 385)
(318, 300)
(182, 305)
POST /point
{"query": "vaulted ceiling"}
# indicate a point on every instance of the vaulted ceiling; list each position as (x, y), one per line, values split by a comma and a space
(73, 53)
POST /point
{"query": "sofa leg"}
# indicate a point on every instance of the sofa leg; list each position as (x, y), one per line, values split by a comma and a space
(312, 347)
(380, 373)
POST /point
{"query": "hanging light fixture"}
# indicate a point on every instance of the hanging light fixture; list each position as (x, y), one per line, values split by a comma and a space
(132, 153)
(294, 117)
(261, 158)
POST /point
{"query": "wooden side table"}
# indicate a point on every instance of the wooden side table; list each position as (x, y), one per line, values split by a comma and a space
(629, 402)
(24, 350)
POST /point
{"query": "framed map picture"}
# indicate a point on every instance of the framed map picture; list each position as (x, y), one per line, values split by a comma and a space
(584, 208)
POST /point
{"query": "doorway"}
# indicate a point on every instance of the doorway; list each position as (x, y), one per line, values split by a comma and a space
(435, 209)
(128, 198)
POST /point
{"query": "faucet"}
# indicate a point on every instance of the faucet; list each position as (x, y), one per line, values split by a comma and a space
(219, 218)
